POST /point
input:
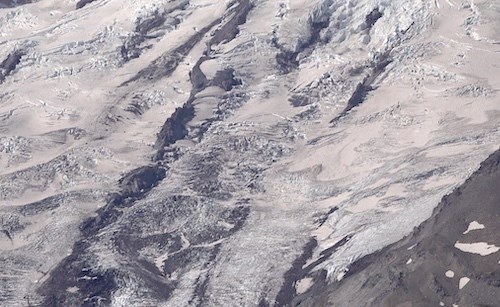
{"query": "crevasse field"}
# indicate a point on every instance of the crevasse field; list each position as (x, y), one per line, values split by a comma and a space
(231, 153)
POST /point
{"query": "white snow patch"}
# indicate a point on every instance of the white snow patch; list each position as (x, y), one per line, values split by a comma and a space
(441, 304)
(303, 285)
(474, 226)
(72, 289)
(449, 274)
(411, 247)
(463, 281)
(342, 273)
(481, 248)
(409, 261)
(159, 261)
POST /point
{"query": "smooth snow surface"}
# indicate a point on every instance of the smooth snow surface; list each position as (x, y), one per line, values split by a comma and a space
(474, 226)
(480, 248)
(463, 282)
(311, 123)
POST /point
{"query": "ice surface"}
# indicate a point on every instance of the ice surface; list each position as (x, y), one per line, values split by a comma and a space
(311, 133)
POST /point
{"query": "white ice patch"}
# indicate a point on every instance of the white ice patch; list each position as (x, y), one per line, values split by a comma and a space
(463, 281)
(474, 226)
(160, 261)
(449, 274)
(303, 285)
(409, 261)
(342, 273)
(480, 248)
(72, 289)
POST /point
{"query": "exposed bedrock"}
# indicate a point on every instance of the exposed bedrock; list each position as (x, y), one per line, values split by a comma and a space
(10, 63)
(81, 3)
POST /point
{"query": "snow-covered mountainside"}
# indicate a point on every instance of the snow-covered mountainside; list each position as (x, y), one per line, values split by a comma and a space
(230, 153)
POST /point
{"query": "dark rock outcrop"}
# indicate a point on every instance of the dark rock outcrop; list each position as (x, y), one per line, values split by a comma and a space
(80, 4)
(10, 63)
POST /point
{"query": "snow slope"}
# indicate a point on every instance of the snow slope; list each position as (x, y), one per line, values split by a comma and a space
(217, 153)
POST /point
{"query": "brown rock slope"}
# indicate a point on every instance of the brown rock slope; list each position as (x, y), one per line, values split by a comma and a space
(425, 268)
